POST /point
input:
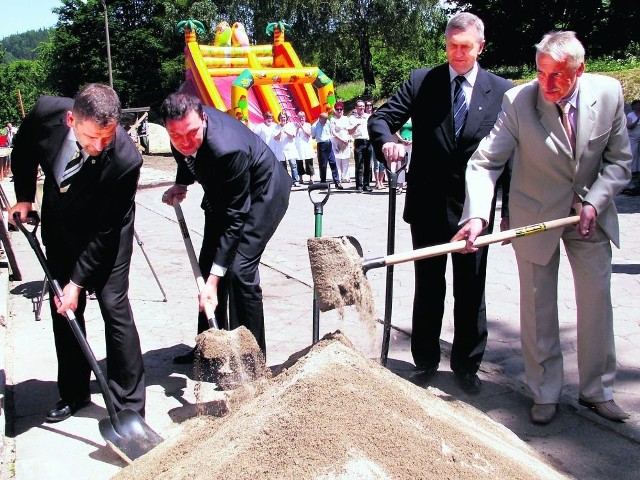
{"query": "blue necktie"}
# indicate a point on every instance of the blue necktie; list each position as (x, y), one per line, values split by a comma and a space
(459, 106)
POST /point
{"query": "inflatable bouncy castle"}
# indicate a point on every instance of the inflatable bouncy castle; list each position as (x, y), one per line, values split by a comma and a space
(248, 80)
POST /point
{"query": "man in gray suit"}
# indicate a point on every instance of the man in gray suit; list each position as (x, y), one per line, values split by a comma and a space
(571, 154)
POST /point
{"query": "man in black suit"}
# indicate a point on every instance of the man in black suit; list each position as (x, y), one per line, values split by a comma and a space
(444, 140)
(87, 229)
(246, 194)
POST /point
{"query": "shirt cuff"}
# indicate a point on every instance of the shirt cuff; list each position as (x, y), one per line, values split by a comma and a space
(218, 271)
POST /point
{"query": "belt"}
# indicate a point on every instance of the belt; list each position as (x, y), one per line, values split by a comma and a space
(361, 140)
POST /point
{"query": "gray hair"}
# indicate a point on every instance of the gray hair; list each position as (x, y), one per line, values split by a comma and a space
(98, 103)
(463, 21)
(561, 45)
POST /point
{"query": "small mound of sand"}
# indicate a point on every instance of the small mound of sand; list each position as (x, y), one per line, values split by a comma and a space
(229, 358)
(336, 268)
(335, 414)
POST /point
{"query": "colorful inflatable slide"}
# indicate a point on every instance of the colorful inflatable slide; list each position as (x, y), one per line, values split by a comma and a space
(248, 80)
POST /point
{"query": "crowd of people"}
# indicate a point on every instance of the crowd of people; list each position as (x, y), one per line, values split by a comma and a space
(560, 144)
(342, 144)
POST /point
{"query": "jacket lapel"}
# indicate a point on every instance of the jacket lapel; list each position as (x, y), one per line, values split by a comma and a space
(586, 120)
(550, 120)
(86, 179)
(479, 101)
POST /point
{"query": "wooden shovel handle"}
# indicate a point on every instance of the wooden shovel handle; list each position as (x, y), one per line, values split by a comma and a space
(208, 310)
(481, 241)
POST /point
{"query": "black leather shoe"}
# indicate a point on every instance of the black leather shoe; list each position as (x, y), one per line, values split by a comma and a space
(424, 372)
(185, 359)
(368, 189)
(63, 409)
(339, 186)
(469, 382)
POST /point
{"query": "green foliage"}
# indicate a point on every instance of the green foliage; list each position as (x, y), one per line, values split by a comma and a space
(24, 75)
(23, 46)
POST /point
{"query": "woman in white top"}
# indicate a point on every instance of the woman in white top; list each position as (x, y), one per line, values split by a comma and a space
(304, 143)
(341, 141)
(286, 147)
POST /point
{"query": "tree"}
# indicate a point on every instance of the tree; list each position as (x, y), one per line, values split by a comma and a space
(604, 26)
(28, 76)
(342, 36)
(146, 52)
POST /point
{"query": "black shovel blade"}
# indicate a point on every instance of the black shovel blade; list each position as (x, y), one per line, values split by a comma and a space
(135, 439)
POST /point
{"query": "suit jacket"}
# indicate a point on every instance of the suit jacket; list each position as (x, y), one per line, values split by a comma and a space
(436, 178)
(246, 189)
(545, 174)
(94, 219)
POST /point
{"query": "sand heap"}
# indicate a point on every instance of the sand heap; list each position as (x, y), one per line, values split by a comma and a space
(335, 414)
(229, 358)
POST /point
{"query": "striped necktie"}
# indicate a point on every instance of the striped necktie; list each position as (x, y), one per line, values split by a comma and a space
(73, 167)
(191, 164)
(459, 106)
(565, 107)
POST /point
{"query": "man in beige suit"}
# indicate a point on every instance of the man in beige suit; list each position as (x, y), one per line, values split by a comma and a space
(563, 163)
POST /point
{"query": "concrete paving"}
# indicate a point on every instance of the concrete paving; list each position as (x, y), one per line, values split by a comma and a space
(577, 442)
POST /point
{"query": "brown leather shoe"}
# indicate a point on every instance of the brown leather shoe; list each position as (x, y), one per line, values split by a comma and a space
(609, 410)
(543, 413)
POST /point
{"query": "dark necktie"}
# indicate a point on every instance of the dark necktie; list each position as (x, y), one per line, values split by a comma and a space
(191, 164)
(459, 106)
(73, 167)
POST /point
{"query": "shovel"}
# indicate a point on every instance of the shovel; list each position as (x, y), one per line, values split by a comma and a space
(195, 267)
(227, 358)
(339, 271)
(318, 200)
(125, 431)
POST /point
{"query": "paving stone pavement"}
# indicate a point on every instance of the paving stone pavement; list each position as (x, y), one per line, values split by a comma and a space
(577, 441)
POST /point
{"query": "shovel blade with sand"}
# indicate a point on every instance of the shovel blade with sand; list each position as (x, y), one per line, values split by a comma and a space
(226, 358)
(338, 269)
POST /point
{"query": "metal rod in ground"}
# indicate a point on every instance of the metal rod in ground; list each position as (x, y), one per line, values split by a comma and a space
(40, 299)
(141, 245)
(318, 210)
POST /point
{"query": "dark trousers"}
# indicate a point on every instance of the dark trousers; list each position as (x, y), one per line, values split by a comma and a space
(362, 157)
(305, 167)
(325, 155)
(239, 290)
(469, 311)
(125, 369)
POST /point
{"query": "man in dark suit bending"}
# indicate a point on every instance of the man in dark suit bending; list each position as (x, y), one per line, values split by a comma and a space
(452, 107)
(246, 194)
(91, 168)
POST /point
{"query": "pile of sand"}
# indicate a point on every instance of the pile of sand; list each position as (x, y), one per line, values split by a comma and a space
(335, 414)
(229, 358)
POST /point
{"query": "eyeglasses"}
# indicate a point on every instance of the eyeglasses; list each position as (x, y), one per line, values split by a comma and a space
(369, 104)
(338, 109)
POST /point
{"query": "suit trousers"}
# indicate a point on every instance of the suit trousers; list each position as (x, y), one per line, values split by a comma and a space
(590, 262)
(239, 290)
(469, 311)
(125, 369)
(325, 155)
(362, 158)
